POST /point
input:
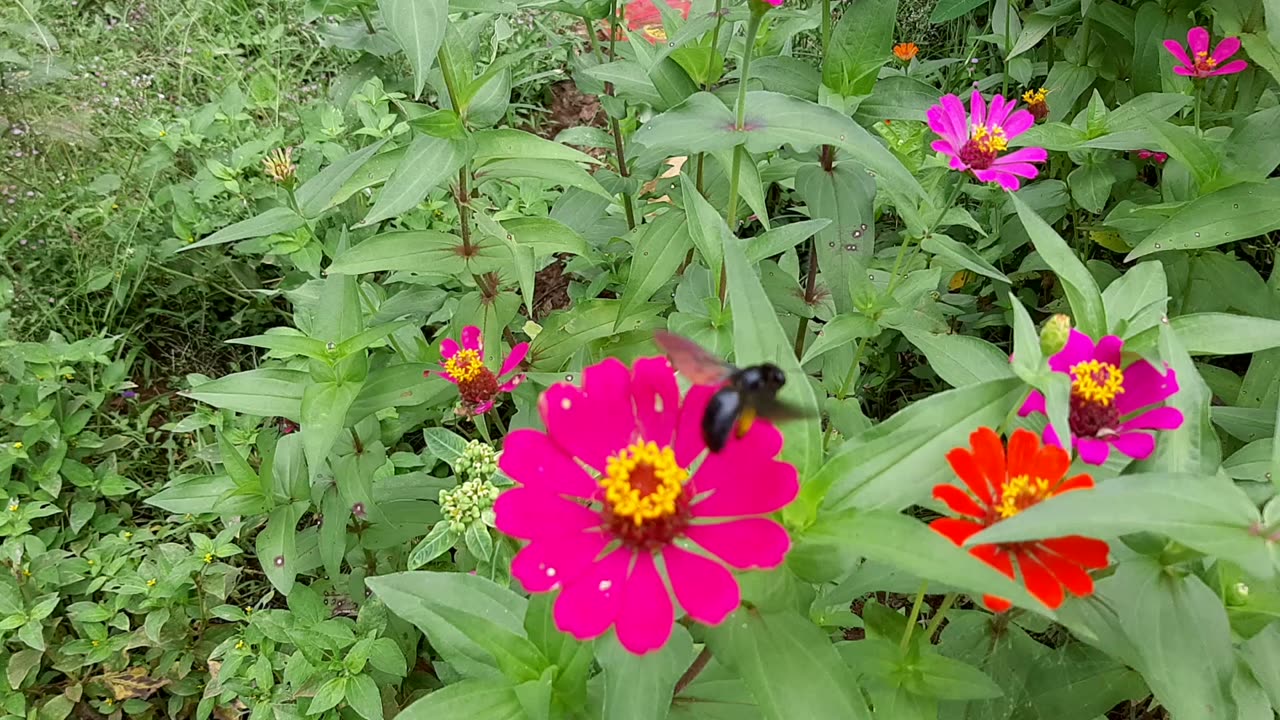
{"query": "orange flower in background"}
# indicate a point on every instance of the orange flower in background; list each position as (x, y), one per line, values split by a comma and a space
(644, 17)
(1002, 485)
(905, 51)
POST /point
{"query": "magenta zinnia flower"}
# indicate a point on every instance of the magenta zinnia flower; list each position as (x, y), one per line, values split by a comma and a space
(620, 481)
(1110, 406)
(977, 141)
(1201, 63)
(465, 368)
(1157, 157)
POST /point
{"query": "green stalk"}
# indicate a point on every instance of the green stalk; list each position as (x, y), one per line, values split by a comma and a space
(913, 618)
(1199, 85)
(706, 82)
(938, 617)
(826, 26)
(619, 150)
(731, 212)
(1008, 45)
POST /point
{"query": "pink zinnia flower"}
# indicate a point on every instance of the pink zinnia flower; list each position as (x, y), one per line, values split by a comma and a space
(977, 140)
(621, 479)
(465, 368)
(1110, 406)
(1201, 63)
(1157, 157)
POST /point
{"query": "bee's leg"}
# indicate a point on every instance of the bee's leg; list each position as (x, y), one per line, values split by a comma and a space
(745, 420)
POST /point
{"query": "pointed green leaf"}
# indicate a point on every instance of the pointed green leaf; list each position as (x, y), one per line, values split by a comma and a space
(418, 27)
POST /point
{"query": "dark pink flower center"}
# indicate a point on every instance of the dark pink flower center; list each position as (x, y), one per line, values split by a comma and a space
(479, 387)
(646, 501)
(1094, 387)
(1205, 62)
(983, 147)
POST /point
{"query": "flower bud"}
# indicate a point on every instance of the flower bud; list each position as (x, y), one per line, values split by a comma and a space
(1054, 334)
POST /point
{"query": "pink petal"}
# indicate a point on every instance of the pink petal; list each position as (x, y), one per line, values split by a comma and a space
(689, 443)
(957, 119)
(482, 408)
(742, 485)
(1021, 156)
(1108, 350)
(644, 624)
(1000, 110)
(1051, 436)
(1144, 386)
(1161, 418)
(1136, 445)
(706, 590)
(1184, 71)
(514, 359)
(1033, 404)
(551, 562)
(1093, 450)
(1001, 175)
(1017, 123)
(657, 399)
(940, 122)
(511, 384)
(532, 514)
(588, 606)
(744, 544)
(977, 111)
(1225, 49)
(944, 147)
(1079, 348)
(471, 339)
(1231, 68)
(958, 164)
(444, 374)
(448, 348)
(1198, 40)
(533, 460)
(592, 424)
(1176, 49)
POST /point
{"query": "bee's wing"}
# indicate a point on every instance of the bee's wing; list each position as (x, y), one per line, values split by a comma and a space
(774, 409)
(691, 360)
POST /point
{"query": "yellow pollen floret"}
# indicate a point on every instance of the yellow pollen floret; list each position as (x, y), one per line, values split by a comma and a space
(626, 500)
(1021, 493)
(1031, 97)
(1204, 60)
(464, 365)
(1096, 382)
(990, 139)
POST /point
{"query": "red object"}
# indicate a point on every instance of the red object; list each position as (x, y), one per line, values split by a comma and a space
(1000, 485)
(643, 16)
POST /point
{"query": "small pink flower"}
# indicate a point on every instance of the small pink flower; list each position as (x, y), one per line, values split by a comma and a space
(1201, 63)
(1156, 157)
(976, 141)
(622, 478)
(1110, 406)
(465, 368)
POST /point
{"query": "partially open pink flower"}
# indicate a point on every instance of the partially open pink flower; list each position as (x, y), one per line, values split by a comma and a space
(620, 501)
(1201, 63)
(1110, 406)
(978, 140)
(1153, 155)
(464, 367)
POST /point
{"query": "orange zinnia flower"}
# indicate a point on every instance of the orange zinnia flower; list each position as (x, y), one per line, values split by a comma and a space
(1001, 487)
(905, 51)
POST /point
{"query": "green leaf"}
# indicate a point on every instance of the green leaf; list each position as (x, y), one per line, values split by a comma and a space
(436, 543)
(193, 497)
(328, 696)
(522, 257)
(658, 249)
(1191, 151)
(897, 462)
(396, 386)
(546, 236)
(363, 697)
(1222, 334)
(324, 412)
(758, 337)
(235, 466)
(1078, 283)
(948, 679)
(1236, 213)
(961, 360)
(860, 44)
(269, 222)
(1194, 448)
(420, 251)
(962, 255)
(473, 623)
(277, 548)
(789, 665)
(428, 162)
(20, 665)
(947, 10)
(1036, 26)
(315, 194)
(385, 656)
(267, 392)
(904, 543)
(467, 700)
(1138, 300)
(508, 144)
(846, 197)
(707, 229)
(418, 27)
(897, 97)
(286, 344)
(782, 238)
(639, 687)
(560, 172)
(841, 331)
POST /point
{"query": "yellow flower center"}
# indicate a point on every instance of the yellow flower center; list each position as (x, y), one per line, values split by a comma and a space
(656, 32)
(1021, 493)
(151, 582)
(464, 365)
(208, 558)
(1096, 382)
(1205, 62)
(1033, 97)
(990, 139)
(643, 482)
(13, 507)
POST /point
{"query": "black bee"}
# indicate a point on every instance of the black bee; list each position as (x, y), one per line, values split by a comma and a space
(747, 393)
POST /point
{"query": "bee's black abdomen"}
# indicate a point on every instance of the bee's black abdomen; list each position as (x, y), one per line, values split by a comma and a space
(721, 417)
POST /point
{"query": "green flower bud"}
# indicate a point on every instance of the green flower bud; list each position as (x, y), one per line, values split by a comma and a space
(1054, 334)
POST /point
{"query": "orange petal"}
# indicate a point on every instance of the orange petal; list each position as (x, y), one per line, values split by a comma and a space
(1050, 463)
(968, 470)
(995, 557)
(1079, 482)
(954, 529)
(1022, 452)
(1072, 576)
(1040, 582)
(958, 500)
(989, 451)
(1084, 551)
(996, 604)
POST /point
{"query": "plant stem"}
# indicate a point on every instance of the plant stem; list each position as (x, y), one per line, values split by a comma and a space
(810, 283)
(615, 128)
(744, 74)
(1199, 85)
(368, 22)
(706, 81)
(1008, 45)
(463, 201)
(826, 26)
(914, 617)
(940, 615)
(697, 666)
